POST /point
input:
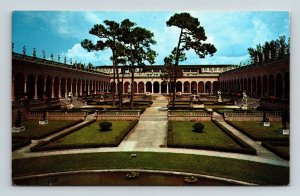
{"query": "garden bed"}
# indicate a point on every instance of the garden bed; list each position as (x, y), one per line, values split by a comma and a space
(36, 131)
(90, 136)
(181, 135)
(257, 132)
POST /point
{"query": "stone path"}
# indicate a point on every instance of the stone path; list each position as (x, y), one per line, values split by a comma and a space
(151, 131)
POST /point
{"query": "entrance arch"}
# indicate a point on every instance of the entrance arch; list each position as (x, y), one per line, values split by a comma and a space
(186, 87)
(40, 87)
(141, 87)
(178, 86)
(19, 86)
(279, 86)
(208, 87)
(201, 87)
(164, 87)
(30, 83)
(149, 87)
(156, 87)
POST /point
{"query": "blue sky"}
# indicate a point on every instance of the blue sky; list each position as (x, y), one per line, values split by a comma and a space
(231, 33)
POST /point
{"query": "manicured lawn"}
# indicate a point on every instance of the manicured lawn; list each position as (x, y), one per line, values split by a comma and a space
(258, 132)
(91, 136)
(223, 167)
(181, 134)
(35, 131)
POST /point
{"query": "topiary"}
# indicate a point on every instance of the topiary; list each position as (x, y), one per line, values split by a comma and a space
(105, 125)
(198, 127)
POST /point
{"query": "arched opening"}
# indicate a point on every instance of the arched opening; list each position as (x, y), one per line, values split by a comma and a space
(141, 87)
(49, 81)
(134, 87)
(186, 87)
(201, 87)
(69, 84)
(19, 86)
(245, 84)
(271, 86)
(259, 86)
(265, 86)
(178, 86)
(112, 87)
(83, 87)
(215, 86)
(286, 86)
(30, 83)
(208, 87)
(164, 87)
(63, 87)
(78, 87)
(279, 86)
(194, 87)
(149, 87)
(126, 87)
(74, 87)
(254, 87)
(56, 86)
(40, 87)
(156, 87)
(249, 87)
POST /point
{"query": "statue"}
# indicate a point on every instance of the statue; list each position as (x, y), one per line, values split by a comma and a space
(245, 101)
(44, 54)
(65, 60)
(24, 50)
(51, 56)
(219, 96)
(34, 53)
(71, 61)
(58, 58)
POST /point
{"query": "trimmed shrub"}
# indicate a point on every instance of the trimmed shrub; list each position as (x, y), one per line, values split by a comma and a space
(105, 125)
(198, 127)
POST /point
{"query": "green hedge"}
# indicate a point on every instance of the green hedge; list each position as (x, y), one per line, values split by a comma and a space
(279, 148)
(19, 143)
(245, 147)
(44, 146)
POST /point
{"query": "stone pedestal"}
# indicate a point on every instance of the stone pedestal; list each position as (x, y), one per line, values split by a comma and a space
(18, 129)
(266, 124)
(43, 122)
(284, 131)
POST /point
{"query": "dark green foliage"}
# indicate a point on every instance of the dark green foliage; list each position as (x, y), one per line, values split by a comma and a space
(105, 125)
(270, 51)
(198, 127)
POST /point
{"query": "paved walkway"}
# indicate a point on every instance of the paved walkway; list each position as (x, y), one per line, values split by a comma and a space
(151, 132)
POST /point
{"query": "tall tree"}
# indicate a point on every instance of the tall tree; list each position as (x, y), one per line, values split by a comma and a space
(109, 35)
(138, 50)
(170, 71)
(191, 36)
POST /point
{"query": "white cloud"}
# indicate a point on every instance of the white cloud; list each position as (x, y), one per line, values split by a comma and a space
(81, 55)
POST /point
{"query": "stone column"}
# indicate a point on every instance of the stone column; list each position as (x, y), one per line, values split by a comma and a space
(145, 88)
(45, 87)
(25, 85)
(66, 88)
(167, 88)
(80, 88)
(89, 87)
(35, 89)
(59, 88)
(13, 89)
(152, 88)
(52, 89)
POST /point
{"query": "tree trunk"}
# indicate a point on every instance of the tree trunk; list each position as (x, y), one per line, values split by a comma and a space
(132, 88)
(176, 64)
